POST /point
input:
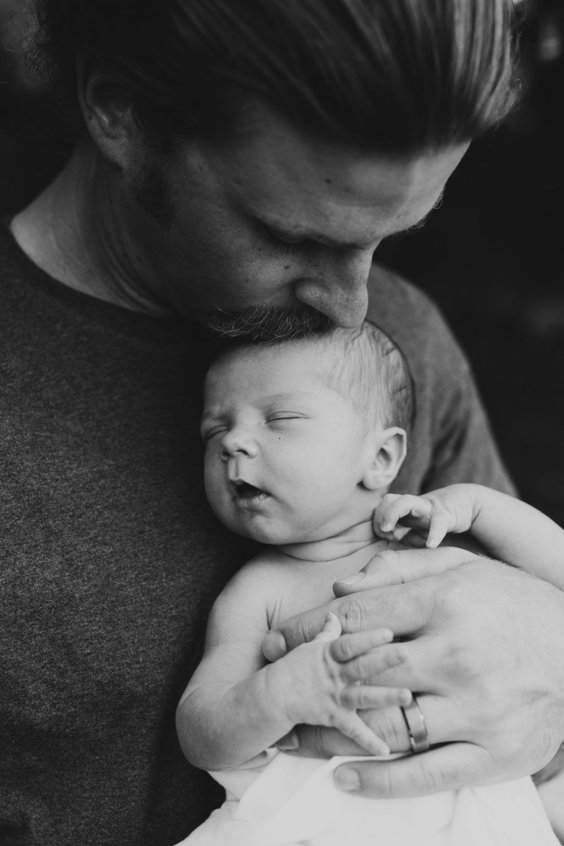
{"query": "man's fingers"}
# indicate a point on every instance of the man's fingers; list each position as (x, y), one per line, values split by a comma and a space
(351, 725)
(403, 603)
(299, 629)
(399, 566)
(350, 646)
(369, 666)
(404, 609)
(441, 719)
(331, 628)
(449, 767)
(361, 696)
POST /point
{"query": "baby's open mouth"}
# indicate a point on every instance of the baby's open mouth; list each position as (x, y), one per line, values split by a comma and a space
(244, 490)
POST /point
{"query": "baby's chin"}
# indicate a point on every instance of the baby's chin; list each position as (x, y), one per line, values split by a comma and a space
(269, 532)
(268, 535)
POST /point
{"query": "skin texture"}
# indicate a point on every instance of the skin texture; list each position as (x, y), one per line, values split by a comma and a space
(271, 420)
(510, 530)
(485, 668)
(265, 425)
(269, 217)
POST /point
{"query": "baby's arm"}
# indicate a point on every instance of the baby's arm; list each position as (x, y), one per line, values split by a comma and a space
(507, 528)
(236, 706)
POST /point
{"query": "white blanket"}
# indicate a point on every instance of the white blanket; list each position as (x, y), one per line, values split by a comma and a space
(292, 801)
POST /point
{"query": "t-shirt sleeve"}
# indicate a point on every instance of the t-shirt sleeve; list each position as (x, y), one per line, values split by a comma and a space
(451, 440)
(463, 447)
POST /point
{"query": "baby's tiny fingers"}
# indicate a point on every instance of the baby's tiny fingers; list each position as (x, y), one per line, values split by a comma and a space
(352, 726)
(416, 540)
(331, 628)
(369, 665)
(350, 646)
(405, 506)
(439, 527)
(372, 696)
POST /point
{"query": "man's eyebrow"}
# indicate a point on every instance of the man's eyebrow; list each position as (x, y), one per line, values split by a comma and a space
(282, 229)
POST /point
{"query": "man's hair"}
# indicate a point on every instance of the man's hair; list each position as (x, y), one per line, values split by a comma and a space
(363, 365)
(396, 76)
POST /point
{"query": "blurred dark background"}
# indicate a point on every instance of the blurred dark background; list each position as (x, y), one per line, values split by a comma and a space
(492, 256)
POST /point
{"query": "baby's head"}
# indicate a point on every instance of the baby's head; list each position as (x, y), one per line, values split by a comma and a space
(303, 437)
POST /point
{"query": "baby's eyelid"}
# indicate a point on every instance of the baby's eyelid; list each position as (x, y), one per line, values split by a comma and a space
(286, 415)
(211, 431)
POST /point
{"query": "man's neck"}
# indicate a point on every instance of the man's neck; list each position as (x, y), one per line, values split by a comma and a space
(72, 232)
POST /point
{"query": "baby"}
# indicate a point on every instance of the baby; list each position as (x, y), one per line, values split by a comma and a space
(303, 440)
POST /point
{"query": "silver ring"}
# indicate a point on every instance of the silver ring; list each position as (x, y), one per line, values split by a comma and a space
(416, 726)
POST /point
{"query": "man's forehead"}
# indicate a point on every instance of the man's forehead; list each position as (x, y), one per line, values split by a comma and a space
(305, 187)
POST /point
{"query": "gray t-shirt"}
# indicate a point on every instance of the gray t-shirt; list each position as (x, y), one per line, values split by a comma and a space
(111, 558)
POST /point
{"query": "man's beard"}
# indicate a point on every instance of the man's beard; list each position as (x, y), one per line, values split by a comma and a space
(264, 324)
(257, 324)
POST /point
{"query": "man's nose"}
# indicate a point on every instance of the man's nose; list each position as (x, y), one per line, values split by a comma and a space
(237, 442)
(338, 287)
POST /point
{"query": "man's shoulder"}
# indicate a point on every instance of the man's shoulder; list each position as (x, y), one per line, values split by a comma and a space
(396, 303)
(415, 324)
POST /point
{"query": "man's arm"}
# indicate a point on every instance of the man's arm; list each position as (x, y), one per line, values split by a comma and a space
(484, 651)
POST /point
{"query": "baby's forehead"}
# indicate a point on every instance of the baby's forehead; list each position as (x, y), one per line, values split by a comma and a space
(291, 354)
(289, 366)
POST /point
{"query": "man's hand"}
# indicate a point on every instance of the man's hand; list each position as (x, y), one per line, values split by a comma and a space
(484, 652)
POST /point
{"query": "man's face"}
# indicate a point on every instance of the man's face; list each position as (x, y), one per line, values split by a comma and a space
(271, 217)
(285, 452)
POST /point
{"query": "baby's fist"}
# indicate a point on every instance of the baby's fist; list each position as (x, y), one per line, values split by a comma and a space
(403, 517)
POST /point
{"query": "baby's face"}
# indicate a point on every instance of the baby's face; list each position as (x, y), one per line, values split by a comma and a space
(285, 453)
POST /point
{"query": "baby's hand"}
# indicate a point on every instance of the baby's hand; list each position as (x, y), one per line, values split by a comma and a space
(328, 679)
(416, 520)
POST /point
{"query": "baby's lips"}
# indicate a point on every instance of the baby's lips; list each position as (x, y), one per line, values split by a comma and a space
(239, 486)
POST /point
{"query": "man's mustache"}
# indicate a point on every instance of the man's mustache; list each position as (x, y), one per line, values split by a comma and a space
(263, 324)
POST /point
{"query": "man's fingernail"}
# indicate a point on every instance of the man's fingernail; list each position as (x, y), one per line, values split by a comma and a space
(347, 779)
(289, 743)
(274, 646)
(350, 580)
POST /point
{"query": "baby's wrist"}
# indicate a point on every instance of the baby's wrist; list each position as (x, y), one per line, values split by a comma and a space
(277, 693)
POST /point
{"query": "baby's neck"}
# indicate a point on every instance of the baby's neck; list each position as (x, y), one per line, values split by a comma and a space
(347, 543)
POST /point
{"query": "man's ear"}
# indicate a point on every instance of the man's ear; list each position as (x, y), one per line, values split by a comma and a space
(389, 450)
(107, 110)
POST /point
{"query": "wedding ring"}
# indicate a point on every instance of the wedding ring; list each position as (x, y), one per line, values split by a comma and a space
(416, 726)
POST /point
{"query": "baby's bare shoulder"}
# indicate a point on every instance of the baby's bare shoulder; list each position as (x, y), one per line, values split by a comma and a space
(263, 584)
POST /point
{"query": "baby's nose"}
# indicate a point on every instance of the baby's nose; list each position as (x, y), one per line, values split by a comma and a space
(237, 442)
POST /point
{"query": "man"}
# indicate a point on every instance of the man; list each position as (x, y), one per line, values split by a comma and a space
(236, 167)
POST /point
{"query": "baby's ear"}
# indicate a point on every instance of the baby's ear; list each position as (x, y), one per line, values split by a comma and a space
(388, 455)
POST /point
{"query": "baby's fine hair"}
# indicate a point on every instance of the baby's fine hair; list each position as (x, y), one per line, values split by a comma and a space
(365, 365)
(362, 364)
